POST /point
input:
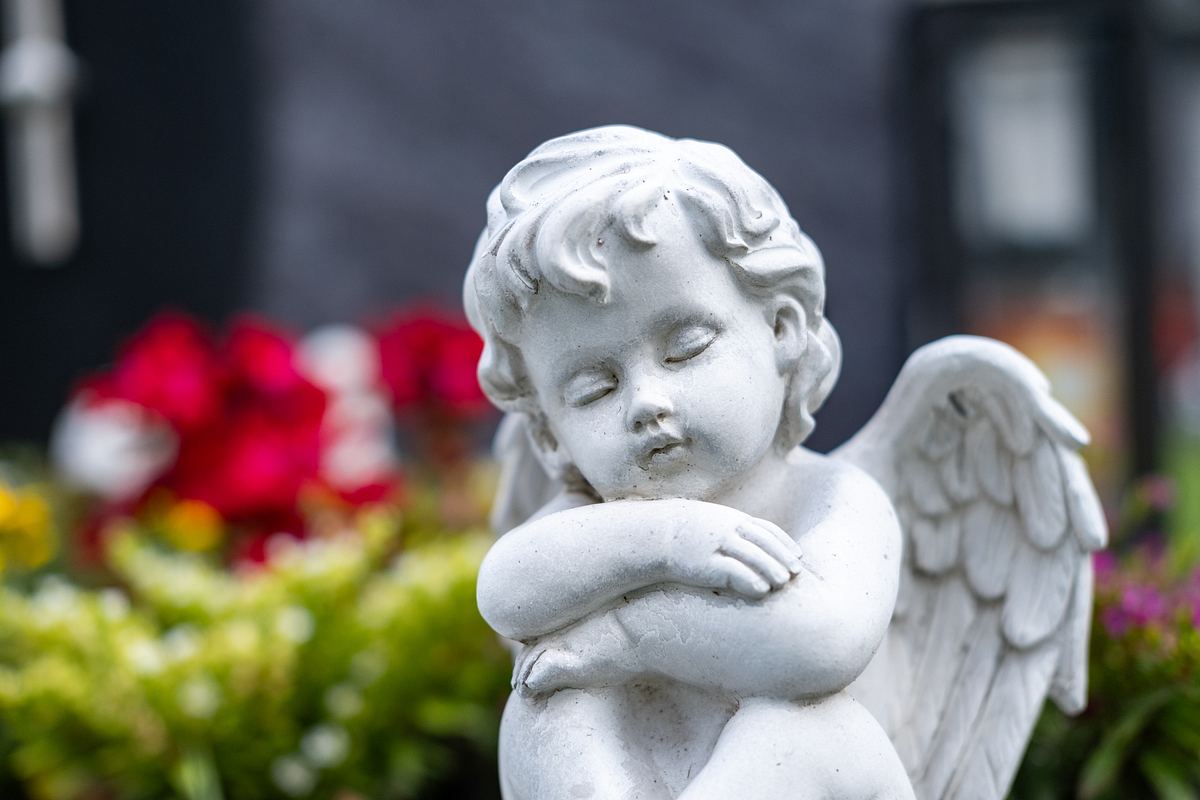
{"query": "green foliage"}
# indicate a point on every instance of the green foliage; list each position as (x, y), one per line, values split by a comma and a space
(333, 671)
(1181, 452)
(1140, 734)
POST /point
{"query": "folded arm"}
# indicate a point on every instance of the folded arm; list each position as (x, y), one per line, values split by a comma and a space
(574, 559)
(812, 637)
(571, 559)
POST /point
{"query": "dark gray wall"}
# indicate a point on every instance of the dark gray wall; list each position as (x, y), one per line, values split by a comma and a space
(387, 123)
(165, 129)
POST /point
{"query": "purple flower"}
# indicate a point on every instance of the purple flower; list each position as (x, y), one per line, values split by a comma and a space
(1116, 621)
(1137, 606)
(1104, 563)
(1145, 604)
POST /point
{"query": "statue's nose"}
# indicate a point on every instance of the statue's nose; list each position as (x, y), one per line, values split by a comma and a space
(648, 404)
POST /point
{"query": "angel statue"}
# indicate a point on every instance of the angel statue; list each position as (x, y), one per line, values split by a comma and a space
(703, 609)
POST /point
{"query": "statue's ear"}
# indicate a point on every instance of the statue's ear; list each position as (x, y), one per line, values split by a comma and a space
(789, 325)
(810, 359)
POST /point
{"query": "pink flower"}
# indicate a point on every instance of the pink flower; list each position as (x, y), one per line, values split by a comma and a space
(1137, 606)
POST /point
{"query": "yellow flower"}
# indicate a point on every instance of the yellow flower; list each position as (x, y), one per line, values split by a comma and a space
(192, 525)
(26, 527)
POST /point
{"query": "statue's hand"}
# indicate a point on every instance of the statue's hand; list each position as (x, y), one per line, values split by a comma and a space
(727, 549)
(593, 652)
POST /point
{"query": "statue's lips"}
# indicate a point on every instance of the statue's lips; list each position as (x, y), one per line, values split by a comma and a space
(661, 448)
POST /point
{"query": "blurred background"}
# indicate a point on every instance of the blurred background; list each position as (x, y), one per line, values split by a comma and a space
(233, 244)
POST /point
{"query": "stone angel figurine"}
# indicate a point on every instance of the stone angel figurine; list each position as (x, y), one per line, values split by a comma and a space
(699, 606)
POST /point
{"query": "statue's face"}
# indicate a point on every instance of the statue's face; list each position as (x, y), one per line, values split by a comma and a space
(673, 388)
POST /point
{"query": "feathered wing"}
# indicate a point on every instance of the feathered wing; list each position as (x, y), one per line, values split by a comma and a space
(524, 486)
(1000, 519)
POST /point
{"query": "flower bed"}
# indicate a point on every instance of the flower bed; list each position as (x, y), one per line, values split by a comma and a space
(229, 587)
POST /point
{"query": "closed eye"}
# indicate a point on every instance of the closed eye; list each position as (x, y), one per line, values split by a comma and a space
(588, 388)
(689, 343)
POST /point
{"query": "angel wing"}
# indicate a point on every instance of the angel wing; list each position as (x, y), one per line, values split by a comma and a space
(524, 485)
(999, 519)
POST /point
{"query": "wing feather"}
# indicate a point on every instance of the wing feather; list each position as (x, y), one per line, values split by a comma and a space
(1015, 697)
(1038, 486)
(925, 487)
(1069, 689)
(524, 486)
(1000, 521)
(1039, 590)
(965, 702)
(989, 543)
(935, 543)
(993, 464)
(1087, 516)
(944, 436)
(1015, 425)
(948, 626)
(958, 473)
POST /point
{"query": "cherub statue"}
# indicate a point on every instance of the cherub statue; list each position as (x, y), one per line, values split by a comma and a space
(701, 607)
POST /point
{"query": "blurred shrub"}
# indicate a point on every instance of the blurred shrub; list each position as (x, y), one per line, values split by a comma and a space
(325, 673)
(229, 589)
(1140, 734)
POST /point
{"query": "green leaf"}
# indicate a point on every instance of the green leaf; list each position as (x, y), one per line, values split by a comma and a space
(195, 776)
(1103, 767)
(1181, 725)
(1168, 777)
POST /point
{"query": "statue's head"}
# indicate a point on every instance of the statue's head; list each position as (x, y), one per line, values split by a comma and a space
(630, 285)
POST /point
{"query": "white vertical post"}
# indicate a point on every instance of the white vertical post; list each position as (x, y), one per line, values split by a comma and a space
(37, 75)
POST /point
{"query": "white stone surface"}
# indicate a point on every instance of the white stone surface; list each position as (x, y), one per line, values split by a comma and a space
(700, 607)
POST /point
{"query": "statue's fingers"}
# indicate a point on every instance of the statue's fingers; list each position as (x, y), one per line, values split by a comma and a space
(754, 559)
(779, 533)
(770, 543)
(525, 664)
(555, 669)
(758, 559)
(518, 668)
(539, 676)
(737, 577)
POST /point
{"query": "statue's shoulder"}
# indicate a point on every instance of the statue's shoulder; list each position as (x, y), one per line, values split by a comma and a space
(826, 485)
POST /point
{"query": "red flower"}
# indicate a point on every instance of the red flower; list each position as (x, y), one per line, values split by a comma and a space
(253, 432)
(169, 367)
(262, 357)
(265, 447)
(428, 361)
(252, 463)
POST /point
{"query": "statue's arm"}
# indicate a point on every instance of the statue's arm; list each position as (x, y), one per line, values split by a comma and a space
(812, 637)
(562, 566)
